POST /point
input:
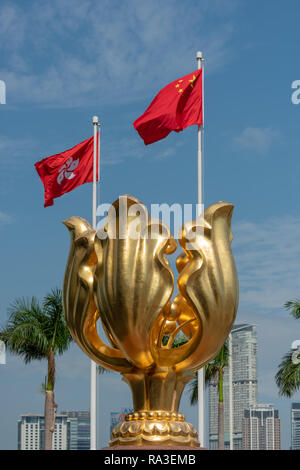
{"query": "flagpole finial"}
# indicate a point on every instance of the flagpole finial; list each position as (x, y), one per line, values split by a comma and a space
(199, 55)
(95, 120)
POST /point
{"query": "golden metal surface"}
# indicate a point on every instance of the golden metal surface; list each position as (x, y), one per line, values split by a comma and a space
(126, 283)
(154, 428)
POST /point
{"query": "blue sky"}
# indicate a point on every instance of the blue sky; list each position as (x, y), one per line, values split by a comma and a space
(64, 61)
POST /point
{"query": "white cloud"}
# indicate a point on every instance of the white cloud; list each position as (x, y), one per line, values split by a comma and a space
(268, 261)
(257, 139)
(12, 27)
(13, 154)
(168, 152)
(11, 148)
(5, 219)
(115, 151)
(65, 53)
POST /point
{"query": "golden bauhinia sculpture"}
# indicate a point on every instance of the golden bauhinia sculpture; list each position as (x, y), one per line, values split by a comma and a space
(121, 277)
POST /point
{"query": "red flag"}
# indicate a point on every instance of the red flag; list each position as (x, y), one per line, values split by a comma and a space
(65, 171)
(177, 106)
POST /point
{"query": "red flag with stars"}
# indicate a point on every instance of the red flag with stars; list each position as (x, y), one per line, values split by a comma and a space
(177, 106)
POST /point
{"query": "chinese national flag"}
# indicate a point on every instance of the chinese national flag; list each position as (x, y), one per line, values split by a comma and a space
(177, 106)
(65, 171)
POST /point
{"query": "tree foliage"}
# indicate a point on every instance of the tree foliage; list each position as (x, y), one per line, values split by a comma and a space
(34, 328)
(288, 375)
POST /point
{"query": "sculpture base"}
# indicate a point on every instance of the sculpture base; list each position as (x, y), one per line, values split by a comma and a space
(173, 448)
(155, 429)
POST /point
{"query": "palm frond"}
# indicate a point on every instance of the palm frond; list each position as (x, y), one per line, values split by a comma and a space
(24, 334)
(294, 308)
(212, 372)
(102, 370)
(32, 329)
(288, 376)
(55, 324)
(222, 358)
(180, 340)
(53, 300)
(193, 390)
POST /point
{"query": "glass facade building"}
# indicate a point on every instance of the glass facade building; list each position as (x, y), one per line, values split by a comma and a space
(78, 429)
(243, 378)
(295, 424)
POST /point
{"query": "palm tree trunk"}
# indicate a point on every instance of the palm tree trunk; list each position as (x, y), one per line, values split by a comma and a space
(221, 426)
(221, 445)
(50, 405)
(49, 414)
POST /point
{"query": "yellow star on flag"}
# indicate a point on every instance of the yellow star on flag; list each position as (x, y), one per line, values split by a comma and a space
(192, 81)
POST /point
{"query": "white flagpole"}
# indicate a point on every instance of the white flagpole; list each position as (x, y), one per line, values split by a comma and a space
(230, 394)
(93, 389)
(201, 375)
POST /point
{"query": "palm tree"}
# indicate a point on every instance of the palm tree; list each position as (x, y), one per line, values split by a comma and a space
(288, 375)
(214, 372)
(37, 331)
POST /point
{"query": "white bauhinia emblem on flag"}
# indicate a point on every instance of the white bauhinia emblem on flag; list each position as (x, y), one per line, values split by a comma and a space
(66, 171)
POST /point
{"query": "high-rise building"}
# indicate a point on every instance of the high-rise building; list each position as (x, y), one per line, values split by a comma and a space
(295, 422)
(261, 428)
(78, 429)
(71, 431)
(31, 432)
(239, 388)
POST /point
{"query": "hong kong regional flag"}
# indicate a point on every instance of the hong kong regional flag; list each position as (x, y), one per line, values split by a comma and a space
(177, 106)
(65, 171)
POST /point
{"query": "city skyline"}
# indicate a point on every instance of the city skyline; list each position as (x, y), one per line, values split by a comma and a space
(71, 431)
(55, 82)
(192, 411)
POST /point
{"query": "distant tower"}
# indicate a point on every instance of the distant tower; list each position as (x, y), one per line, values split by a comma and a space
(295, 422)
(241, 390)
(78, 429)
(31, 432)
(71, 431)
(261, 428)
